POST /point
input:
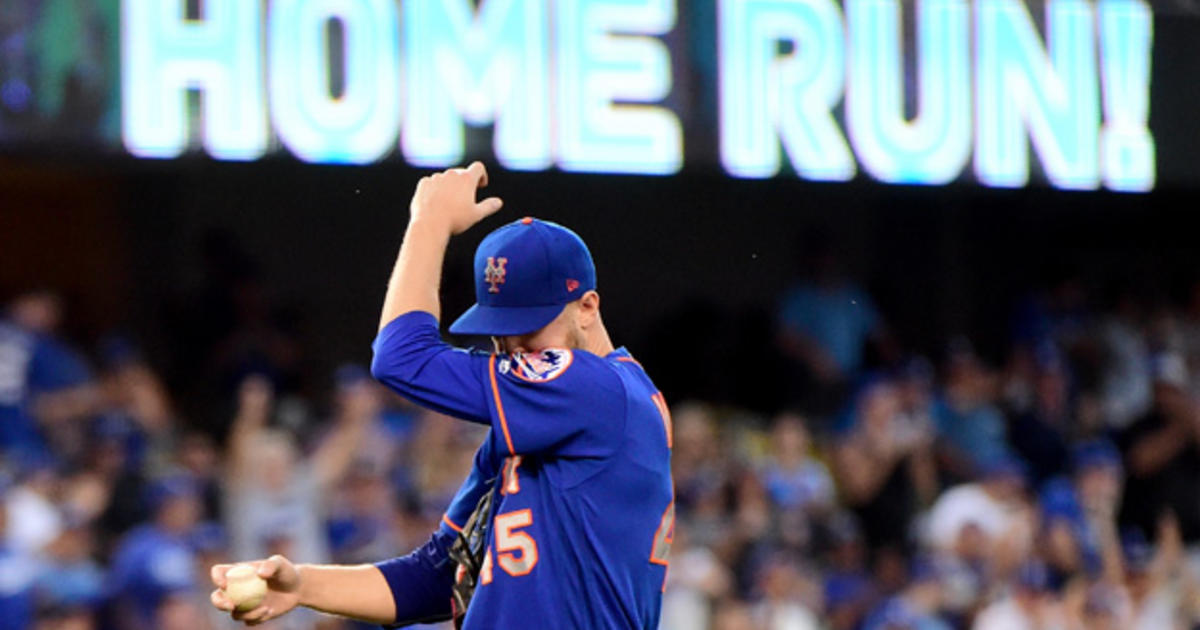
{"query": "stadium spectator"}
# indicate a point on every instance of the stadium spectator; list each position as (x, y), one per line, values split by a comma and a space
(361, 516)
(44, 384)
(1125, 383)
(1029, 604)
(17, 575)
(1188, 335)
(914, 608)
(914, 383)
(883, 466)
(794, 480)
(826, 322)
(732, 614)
(33, 518)
(276, 498)
(850, 592)
(701, 477)
(1162, 451)
(438, 451)
(696, 579)
(970, 428)
(1040, 433)
(196, 453)
(1079, 514)
(782, 604)
(155, 562)
(1152, 577)
(136, 406)
(132, 435)
(68, 576)
(986, 522)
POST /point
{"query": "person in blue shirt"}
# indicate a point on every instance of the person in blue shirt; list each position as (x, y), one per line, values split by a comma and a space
(37, 370)
(577, 460)
(1079, 513)
(971, 429)
(917, 606)
(156, 561)
(18, 572)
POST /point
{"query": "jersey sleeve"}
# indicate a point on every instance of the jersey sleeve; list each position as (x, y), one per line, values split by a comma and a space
(421, 582)
(411, 358)
(556, 402)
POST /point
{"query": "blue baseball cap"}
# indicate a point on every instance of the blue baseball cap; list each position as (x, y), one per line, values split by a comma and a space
(1005, 466)
(925, 568)
(1033, 575)
(525, 274)
(1098, 453)
(847, 589)
(351, 374)
(1138, 553)
(172, 486)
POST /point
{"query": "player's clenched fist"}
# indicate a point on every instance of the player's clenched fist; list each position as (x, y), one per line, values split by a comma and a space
(240, 592)
(447, 199)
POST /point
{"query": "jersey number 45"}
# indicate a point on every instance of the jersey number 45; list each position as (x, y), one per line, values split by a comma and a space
(517, 551)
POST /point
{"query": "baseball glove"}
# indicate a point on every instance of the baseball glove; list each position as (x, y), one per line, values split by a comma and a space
(468, 552)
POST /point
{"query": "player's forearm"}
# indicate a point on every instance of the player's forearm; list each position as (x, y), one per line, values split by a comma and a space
(360, 592)
(418, 272)
(442, 206)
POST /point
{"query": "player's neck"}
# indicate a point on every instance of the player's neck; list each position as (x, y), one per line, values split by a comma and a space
(597, 341)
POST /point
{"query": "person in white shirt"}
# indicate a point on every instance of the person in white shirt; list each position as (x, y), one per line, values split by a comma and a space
(1028, 605)
(991, 512)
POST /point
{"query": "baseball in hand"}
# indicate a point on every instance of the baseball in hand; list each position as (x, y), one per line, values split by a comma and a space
(244, 588)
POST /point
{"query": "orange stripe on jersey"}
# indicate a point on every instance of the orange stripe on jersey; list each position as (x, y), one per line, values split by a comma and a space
(499, 405)
(630, 360)
(446, 520)
(665, 412)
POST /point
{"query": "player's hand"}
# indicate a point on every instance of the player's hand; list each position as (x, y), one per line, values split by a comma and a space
(283, 590)
(447, 199)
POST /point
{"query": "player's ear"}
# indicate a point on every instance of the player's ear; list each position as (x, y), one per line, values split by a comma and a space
(588, 310)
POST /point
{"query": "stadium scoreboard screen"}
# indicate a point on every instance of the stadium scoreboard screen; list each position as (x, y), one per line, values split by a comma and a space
(998, 92)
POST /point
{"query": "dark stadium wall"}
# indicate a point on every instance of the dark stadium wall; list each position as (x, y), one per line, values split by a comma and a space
(690, 264)
(63, 228)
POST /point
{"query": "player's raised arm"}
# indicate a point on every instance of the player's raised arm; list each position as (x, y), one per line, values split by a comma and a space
(442, 206)
(410, 356)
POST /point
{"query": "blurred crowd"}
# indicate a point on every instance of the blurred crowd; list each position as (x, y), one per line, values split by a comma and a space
(1056, 487)
(113, 507)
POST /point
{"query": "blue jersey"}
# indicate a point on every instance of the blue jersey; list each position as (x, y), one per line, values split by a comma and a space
(30, 364)
(580, 449)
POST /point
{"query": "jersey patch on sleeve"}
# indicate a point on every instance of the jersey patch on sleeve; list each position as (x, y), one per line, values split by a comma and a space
(538, 367)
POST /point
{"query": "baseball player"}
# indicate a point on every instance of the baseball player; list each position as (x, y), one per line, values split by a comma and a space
(567, 516)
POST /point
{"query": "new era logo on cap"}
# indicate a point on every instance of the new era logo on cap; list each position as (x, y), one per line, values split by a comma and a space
(572, 284)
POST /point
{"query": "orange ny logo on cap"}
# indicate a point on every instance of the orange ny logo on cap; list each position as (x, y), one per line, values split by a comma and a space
(494, 273)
